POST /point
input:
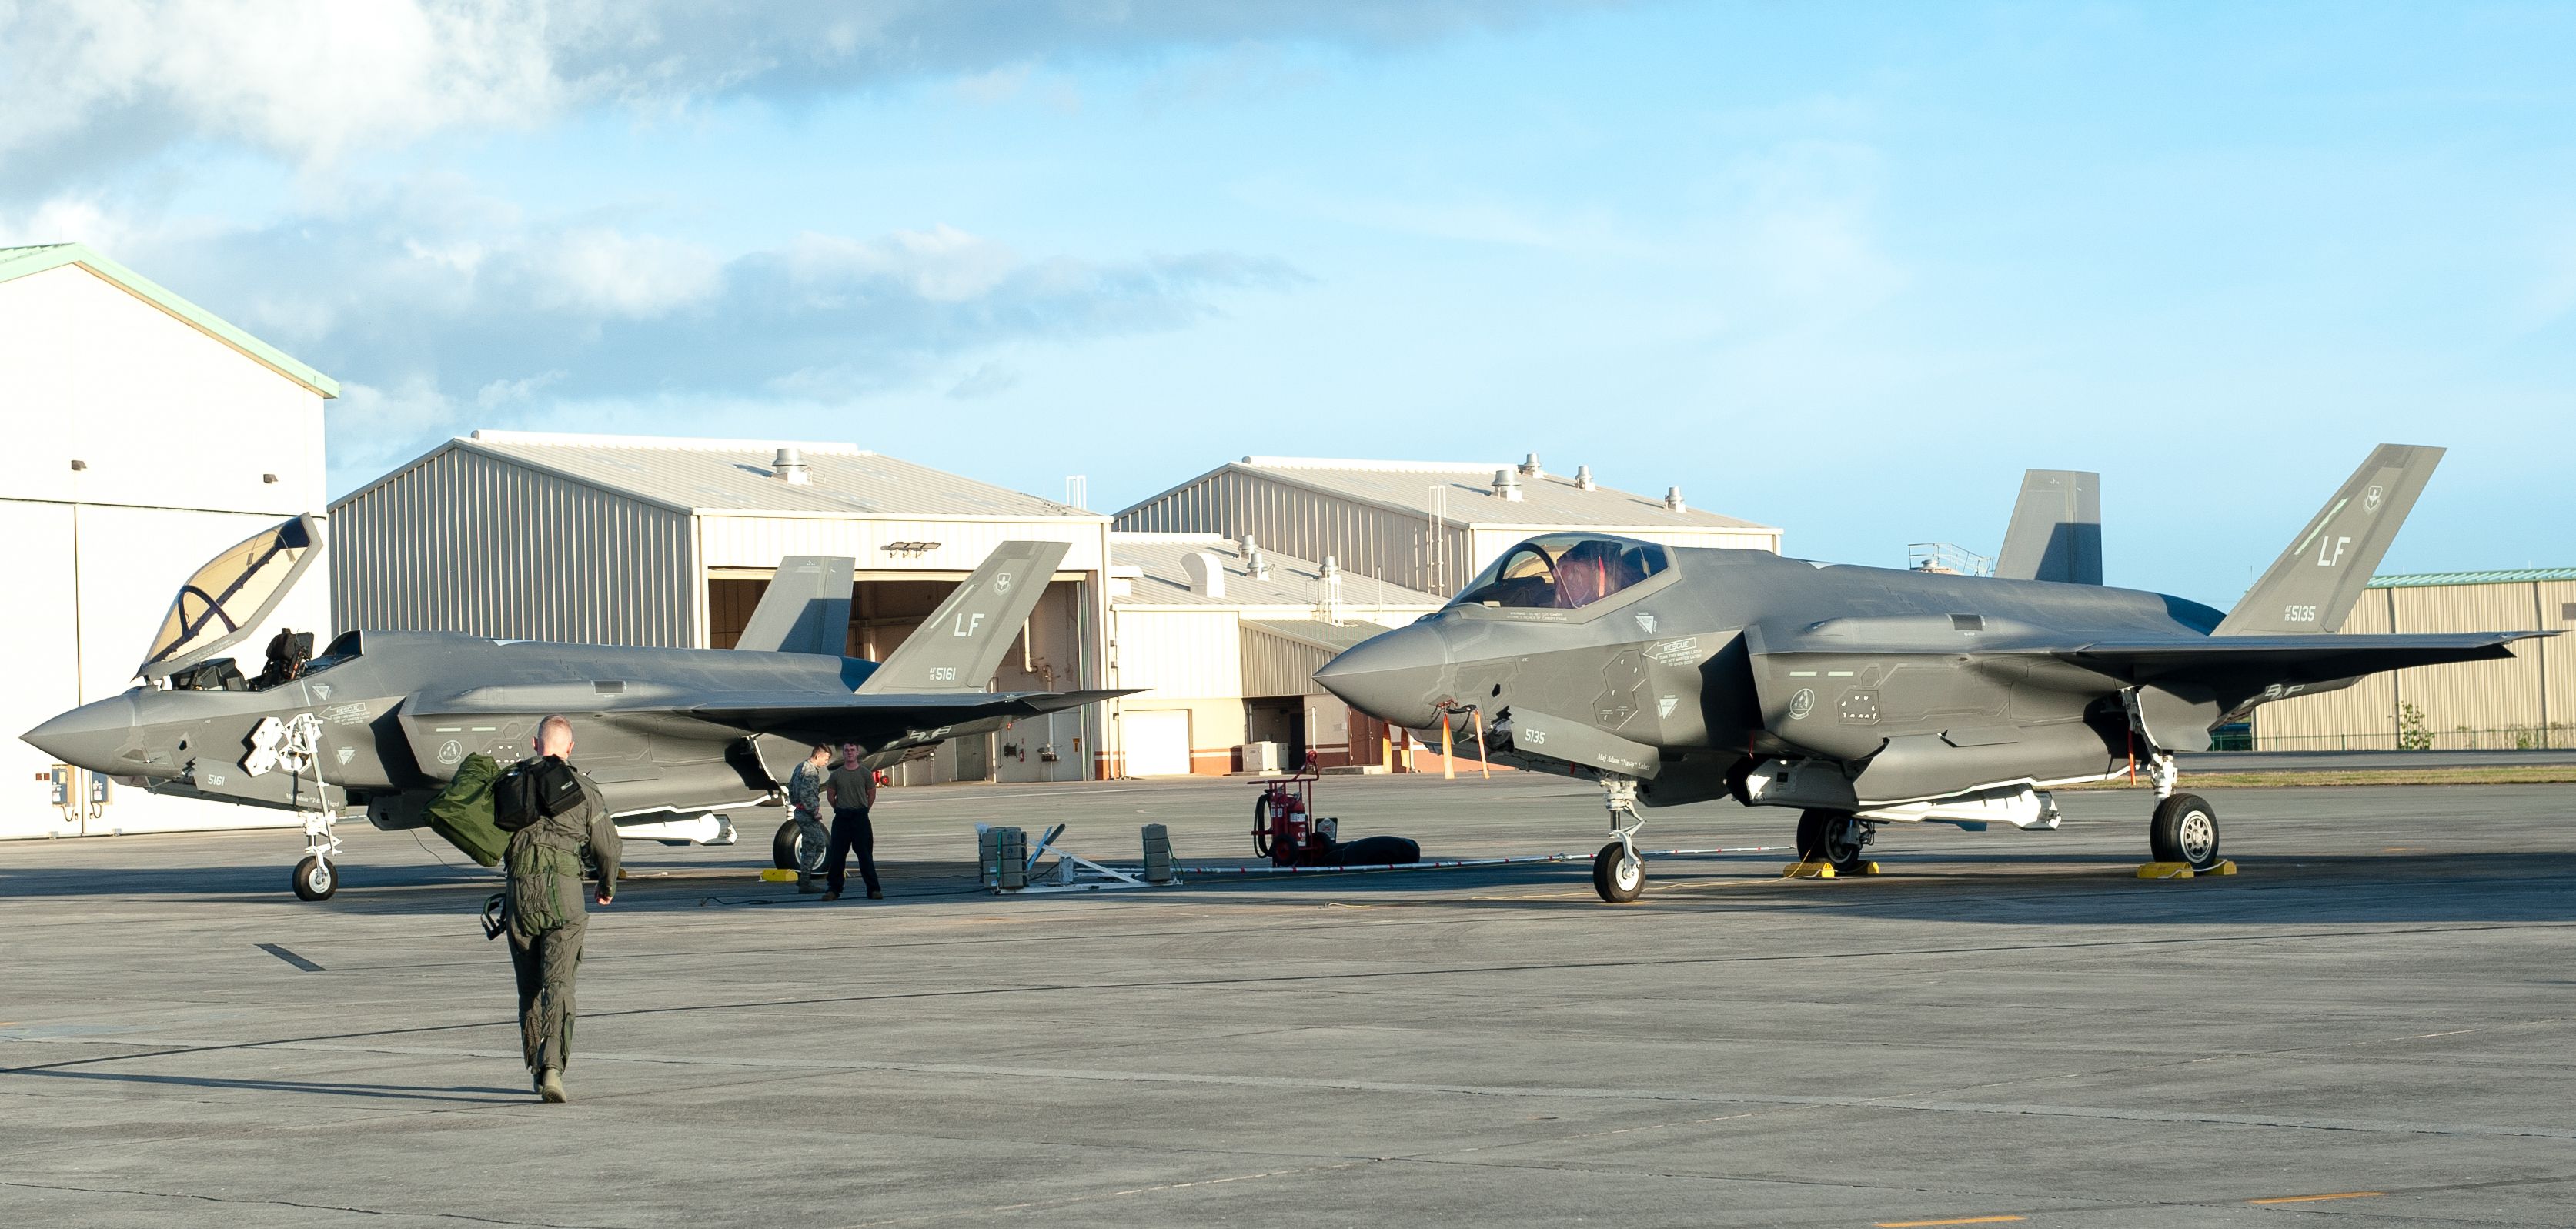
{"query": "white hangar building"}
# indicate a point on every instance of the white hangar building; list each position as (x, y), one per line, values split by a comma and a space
(145, 435)
(1227, 635)
(647, 541)
(1424, 525)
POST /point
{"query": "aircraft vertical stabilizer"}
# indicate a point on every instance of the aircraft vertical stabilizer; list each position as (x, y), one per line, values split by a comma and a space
(2312, 587)
(960, 646)
(2056, 530)
(806, 608)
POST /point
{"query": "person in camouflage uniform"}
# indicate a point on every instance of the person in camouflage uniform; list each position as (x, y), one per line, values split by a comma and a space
(805, 798)
(545, 915)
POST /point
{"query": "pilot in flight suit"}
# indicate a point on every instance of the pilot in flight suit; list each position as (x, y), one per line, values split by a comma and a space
(545, 913)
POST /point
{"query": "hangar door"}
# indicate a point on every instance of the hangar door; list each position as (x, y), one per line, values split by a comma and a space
(1158, 743)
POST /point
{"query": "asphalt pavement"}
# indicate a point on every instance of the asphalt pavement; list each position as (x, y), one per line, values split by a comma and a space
(2372, 1020)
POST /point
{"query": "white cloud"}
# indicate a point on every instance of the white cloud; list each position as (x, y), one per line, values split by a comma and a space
(942, 264)
(88, 86)
(611, 273)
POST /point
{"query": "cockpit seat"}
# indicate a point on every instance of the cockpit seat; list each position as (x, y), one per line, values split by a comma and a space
(288, 650)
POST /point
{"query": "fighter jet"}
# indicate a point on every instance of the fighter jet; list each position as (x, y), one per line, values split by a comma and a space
(1865, 696)
(380, 720)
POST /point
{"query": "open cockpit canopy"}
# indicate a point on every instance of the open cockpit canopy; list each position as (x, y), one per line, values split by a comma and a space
(229, 597)
(1564, 571)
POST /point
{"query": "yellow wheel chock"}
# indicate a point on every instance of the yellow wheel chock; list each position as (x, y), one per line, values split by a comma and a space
(2182, 870)
(1818, 868)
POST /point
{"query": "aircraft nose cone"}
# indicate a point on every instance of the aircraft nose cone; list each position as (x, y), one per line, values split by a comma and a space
(1397, 677)
(89, 736)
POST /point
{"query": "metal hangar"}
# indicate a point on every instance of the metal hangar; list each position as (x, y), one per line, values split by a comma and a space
(1425, 525)
(669, 542)
(1226, 635)
(146, 435)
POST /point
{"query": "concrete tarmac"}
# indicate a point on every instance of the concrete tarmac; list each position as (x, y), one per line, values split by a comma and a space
(2376, 1019)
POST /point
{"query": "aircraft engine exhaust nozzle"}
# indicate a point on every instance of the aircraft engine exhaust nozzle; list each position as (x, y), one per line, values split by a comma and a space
(89, 736)
(1397, 676)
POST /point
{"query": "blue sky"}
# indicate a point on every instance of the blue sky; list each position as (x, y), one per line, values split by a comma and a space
(1847, 269)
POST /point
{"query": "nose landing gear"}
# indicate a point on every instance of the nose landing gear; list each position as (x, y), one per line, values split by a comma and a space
(317, 877)
(1618, 874)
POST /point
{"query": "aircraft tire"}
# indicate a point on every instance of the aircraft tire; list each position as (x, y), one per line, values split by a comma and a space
(1617, 878)
(782, 847)
(315, 879)
(1817, 830)
(2185, 830)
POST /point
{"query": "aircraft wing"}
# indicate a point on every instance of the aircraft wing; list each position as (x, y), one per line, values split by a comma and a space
(801, 711)
(1839, 686)
(2304, 658)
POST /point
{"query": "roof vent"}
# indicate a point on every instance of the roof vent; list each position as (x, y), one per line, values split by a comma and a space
(1207, 573)
(1507, 485)
(789, 467)
(1329, 606)
(1673, 500)
(1583, 478)
(1530, 469)
(1255, 563)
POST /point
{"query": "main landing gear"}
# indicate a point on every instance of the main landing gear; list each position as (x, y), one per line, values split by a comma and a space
(1618, 874)
(2185, 828)
(1837, 838)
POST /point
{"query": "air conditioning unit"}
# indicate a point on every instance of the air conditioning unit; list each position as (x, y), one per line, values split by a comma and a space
(1265, 757)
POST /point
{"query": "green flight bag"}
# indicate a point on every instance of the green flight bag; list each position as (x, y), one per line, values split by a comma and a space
(463, 811)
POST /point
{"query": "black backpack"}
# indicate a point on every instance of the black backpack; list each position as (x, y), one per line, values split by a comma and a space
(541, 788)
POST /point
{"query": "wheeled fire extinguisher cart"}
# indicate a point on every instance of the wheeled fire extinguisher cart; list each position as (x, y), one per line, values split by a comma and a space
(1285, 828)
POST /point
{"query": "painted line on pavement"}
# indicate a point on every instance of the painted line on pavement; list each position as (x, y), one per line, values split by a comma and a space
(2320, 1198)
(290, 957)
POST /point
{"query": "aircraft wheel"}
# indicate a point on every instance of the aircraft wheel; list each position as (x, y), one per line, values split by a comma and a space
(1616, 876)
(2185, 830)
(782, 847)
(315, 879)
(1833, 836)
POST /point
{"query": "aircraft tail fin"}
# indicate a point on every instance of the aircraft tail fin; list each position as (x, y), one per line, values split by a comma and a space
(806, 608)
(960, 646)
(2056, 531)
(2312, 587)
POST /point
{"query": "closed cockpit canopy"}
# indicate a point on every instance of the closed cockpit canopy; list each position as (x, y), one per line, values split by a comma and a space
(228, 597)
(1564, 571)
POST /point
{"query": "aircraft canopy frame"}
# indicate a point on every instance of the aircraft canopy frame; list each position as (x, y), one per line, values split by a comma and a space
(229, 596)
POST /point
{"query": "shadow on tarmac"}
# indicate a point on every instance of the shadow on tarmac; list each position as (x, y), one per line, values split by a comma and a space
(391, 1092)
(2016, 889)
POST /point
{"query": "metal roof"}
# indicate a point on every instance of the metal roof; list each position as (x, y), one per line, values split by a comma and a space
(721, 475)
(1547, 500)
(2506, 576)
(1165, 581)
(19, 262)
(1331, 637)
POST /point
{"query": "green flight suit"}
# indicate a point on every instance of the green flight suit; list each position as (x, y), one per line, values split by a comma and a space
(547, 917)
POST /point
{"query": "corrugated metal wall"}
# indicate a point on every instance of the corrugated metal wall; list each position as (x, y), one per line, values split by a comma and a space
(1292, 520)
(466, 542)
(1278, 666)
(2528, 701)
